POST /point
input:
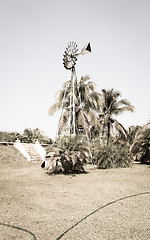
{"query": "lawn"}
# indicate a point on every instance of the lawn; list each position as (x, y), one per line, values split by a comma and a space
(101, 204)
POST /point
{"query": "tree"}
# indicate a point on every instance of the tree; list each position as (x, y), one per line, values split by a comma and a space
(8, 136)
(113, 107)
(132, 132)
(32, 135)
(86, 100)
(141, 145)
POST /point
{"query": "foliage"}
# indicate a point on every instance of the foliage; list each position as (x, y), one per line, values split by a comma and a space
(132, 132)
(64, 161)
(111, 107)
(33, 135)
(77, 144)
(94, 111)
(94, 118)
(8, 136)
(113, 156)
(86, 101)
(67, 155)
(28, 136)
(141, 145)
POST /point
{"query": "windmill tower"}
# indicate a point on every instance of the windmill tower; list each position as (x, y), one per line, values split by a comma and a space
(70, 58)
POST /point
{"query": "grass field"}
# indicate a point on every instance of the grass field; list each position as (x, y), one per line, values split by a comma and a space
(101, 204)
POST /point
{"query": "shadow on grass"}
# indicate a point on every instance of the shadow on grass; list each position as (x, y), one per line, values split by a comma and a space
(73, 173)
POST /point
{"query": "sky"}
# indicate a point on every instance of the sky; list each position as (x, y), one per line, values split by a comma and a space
(33, 37)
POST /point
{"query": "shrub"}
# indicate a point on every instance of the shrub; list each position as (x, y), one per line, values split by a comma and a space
(67, 155)
(77, 144)
(28, 136)
(141, 145)
(8, 136)
(113, 156)
(64, 161)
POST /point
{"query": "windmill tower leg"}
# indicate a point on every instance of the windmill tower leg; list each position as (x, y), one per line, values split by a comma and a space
(73, 103)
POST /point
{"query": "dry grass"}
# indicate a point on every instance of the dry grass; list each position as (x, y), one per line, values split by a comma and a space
(49, 205)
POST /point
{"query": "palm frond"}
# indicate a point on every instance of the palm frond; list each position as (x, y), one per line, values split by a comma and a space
(84, 79)
(57, 95)
(53, 109)
(123, 109)
(95, 100)
(60, 96)
(91, 86)
(115, 93)
(127, 104)
(67, 84)
(119, 127)
(92, 116)
(63, 121)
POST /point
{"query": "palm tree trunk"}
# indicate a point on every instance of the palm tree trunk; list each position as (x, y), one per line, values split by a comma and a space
(108, 133)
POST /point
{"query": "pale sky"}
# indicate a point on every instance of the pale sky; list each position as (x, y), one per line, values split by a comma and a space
(33, 38)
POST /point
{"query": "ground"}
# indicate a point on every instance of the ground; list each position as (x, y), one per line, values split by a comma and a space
(101, 204)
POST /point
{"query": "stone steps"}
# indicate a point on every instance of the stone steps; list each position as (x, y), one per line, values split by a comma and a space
(33, 152)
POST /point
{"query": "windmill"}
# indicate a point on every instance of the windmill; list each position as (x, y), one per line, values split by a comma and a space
(70, 58)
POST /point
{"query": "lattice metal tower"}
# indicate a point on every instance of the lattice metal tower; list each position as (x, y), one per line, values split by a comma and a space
(69, 60)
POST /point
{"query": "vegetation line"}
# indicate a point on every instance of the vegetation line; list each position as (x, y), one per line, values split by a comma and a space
(117, 200)
(22, 229)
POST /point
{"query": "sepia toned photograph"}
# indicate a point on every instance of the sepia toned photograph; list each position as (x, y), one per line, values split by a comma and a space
(75, 120)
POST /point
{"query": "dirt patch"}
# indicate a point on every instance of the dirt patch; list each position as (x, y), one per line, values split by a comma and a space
(47, 205)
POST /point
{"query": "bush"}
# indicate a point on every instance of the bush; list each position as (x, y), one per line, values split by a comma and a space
(64, 161)
(75, 144)
(8, 136)
(113, 156)
(28, 136)
(67, 155)
(141, 145)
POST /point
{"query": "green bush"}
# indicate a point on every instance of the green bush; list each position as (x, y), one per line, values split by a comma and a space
(29, 136)
(141, 145)
(75, 144)
(113, 156)
(8, 136)
(68, 154)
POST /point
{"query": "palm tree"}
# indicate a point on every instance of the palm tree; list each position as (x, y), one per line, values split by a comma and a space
(141, 144)
(112, 107)
(31, 135)
(132, 132)
(86, 101)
